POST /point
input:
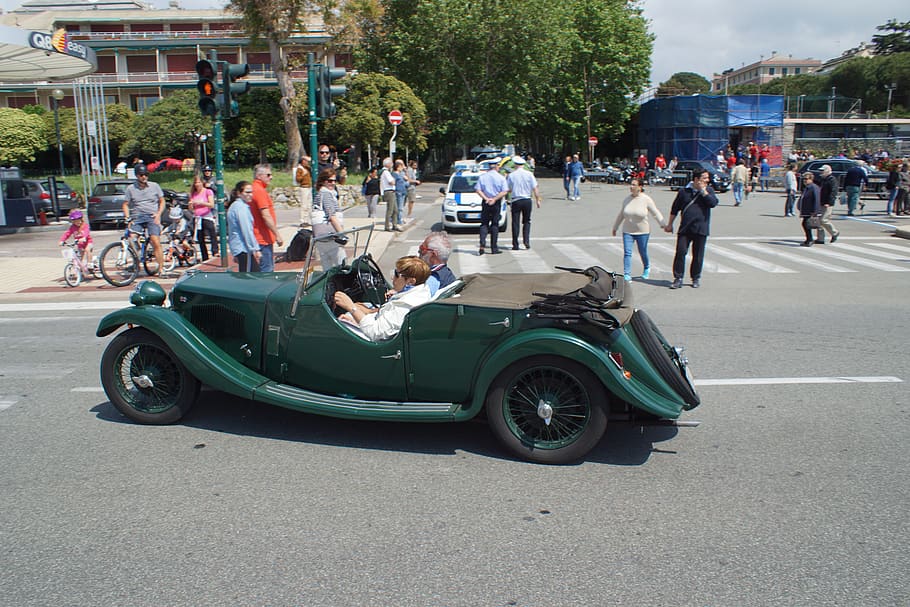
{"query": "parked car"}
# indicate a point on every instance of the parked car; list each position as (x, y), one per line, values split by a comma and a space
(720, 181)
(105, 205)
(461, 206)
(40, 193)
(548, 357)
(839, 166)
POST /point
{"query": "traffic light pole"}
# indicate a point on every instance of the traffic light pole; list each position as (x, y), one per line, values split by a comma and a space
(219, 195)
(311, 110)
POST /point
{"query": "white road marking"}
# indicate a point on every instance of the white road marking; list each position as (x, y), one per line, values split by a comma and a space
(6, 404)
(790, 255)
(863, 251)
(765, 381)
(531, 262)
(579, 256)
(761, 264)
(712, 267)
(887, 245)
(877, 265)
(68, 305)
(87, 389)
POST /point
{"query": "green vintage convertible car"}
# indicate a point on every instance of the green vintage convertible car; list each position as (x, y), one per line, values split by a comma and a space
(548, 357)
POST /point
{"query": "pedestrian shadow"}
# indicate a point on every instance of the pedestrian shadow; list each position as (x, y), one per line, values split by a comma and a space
(217, 412)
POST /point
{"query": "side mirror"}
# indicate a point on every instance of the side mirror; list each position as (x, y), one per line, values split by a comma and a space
(442, 191)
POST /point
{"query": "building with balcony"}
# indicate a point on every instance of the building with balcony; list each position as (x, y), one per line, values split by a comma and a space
(144, 54)
(763, 71)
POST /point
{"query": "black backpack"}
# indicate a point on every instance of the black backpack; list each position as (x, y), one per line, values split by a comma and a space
(300, 245)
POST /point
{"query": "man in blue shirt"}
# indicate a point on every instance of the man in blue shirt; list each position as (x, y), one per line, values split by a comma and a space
(522, 185)
(492, 188)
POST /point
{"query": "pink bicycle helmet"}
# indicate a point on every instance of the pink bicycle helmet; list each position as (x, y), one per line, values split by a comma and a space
(75, 214)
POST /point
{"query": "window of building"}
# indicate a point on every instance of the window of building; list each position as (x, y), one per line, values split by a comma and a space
(107, 64)
(186, 27)
(259, 62)
(147, 27)
(140, 103)
(181, 63)
(20, 102)
(344, 60)
(771, 71)
(796, 70)
(783, 71)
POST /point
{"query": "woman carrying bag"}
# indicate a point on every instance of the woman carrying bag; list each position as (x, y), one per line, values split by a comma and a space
(327, 219)
(202, 204)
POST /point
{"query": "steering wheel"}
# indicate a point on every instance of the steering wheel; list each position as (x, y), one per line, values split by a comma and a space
(371, 281)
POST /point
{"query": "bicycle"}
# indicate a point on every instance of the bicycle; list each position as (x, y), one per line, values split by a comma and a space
(76, 270)
(119, 261)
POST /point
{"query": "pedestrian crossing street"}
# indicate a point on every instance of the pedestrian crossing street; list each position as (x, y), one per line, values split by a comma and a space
(724, 255)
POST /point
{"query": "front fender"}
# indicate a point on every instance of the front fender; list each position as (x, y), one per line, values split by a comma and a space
(206, 361)
(572, 347)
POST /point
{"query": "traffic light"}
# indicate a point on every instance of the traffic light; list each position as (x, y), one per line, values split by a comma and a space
(230, 72)
(326, 91)
(208, 92)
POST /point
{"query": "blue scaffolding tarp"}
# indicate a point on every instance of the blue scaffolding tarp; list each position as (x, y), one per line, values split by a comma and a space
(696, 127)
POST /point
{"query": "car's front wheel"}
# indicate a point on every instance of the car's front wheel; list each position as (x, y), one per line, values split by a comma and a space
(144, 380)
(547, 409)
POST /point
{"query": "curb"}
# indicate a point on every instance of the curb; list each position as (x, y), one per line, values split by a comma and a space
(902, 233)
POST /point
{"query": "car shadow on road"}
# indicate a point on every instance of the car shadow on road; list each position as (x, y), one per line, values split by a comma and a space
(623, 444)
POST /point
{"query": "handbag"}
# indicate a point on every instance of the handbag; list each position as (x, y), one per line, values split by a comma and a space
(814, 222)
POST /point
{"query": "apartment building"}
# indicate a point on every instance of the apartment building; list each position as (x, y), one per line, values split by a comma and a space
(763, 71)
(144, 54)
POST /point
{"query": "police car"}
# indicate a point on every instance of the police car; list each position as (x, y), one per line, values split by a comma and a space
(461, 207)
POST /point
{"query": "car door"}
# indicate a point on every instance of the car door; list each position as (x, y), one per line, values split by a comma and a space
(325, 355)
(447, 343)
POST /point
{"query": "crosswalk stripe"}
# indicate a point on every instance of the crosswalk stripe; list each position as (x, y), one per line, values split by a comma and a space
(712, 267)
(761, 264)
(792, 249)
(469, 262)
(872, 252)
(657, 268)
(531, 262)
(578, 256)
(888, 245)
(885, 267)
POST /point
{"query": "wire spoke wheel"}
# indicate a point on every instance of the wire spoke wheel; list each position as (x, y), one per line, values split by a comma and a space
(547, 409)
(119, 264)
(144, 380)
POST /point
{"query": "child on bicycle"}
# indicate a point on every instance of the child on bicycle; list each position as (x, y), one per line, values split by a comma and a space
(81, 234)
(180, 231)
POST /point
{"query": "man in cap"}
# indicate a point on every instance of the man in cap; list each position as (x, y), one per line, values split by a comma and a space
(522, 185)
(828, 197)
(492, 188)
(143, 205)
(208, 177)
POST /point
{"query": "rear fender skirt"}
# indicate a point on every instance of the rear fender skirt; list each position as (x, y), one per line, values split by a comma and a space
(568, 345)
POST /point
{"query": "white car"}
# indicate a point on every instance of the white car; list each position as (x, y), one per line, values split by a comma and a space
(461, 207)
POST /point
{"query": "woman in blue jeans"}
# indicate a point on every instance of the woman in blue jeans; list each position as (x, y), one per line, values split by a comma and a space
(633, 215)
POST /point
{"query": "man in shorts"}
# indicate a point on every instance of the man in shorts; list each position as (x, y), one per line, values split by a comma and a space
(142, 210)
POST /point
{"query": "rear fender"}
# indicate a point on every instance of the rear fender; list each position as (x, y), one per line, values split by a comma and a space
(570, 346)
(206, 361)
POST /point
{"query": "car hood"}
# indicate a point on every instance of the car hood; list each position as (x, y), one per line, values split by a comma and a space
(471, 199)
(239, 286)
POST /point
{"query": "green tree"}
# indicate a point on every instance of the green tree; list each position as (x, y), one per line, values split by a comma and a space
(684, 83)
(274, 21)
(897, 41)
(259, 128)
(120, 121)
(362, 113)
(162, 129)
(23, 136)
(501, 70)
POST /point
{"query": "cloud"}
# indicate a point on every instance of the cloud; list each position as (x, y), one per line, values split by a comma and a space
(708, 37)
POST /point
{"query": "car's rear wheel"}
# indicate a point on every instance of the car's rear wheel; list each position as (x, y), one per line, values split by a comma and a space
(144, 379)
(547, 409)
(664, 357)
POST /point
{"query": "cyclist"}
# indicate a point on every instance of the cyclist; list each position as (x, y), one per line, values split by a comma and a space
(79, 230)
(142, 209)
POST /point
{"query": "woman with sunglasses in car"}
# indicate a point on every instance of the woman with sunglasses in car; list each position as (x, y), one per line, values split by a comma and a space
(409, 290)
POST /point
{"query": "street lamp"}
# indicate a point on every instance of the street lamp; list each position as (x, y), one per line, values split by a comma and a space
(890, 90)
(56, 98)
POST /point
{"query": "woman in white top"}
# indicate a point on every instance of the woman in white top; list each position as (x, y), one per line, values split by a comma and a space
(635, 227)
(326, 219)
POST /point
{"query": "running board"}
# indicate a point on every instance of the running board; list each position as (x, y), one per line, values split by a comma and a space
(350, 407)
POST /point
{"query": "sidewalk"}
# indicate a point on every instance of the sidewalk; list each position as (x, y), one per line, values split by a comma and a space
(24, 277)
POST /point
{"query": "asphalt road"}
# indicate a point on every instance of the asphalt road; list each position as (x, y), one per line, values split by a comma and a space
(789, 493)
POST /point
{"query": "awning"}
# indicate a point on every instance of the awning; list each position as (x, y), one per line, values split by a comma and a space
(28, 56)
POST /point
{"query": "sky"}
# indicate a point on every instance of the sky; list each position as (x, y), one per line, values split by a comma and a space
(709, 36)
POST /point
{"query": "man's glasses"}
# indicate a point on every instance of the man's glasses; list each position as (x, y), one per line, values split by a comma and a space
(323, 151)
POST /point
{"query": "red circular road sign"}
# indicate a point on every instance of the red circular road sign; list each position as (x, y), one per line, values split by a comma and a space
(395, 117)
(592, 141)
